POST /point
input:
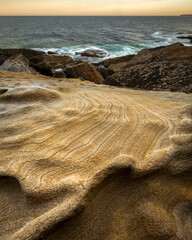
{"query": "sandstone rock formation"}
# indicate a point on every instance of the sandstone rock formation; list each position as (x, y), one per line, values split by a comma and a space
(84, 71)
(92, 162)
(106, 63)
(56, 61)
(162, 68)
(36, 59)
(17, 63)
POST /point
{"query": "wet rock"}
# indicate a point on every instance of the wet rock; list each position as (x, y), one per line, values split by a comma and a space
(186, 37)
(50, 52)
(92, 53)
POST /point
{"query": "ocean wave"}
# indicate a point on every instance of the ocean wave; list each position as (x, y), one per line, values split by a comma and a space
(111, 50)
(162, 38)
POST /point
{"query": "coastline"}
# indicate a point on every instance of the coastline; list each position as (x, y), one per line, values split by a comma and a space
(162, 68)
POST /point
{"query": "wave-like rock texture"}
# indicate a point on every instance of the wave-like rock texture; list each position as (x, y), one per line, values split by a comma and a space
(91, 162)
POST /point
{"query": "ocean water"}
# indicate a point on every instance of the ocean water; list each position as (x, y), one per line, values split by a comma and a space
(117, 36)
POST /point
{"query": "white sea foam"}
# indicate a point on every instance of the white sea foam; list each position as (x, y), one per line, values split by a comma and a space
(111, 51)
(158, 38)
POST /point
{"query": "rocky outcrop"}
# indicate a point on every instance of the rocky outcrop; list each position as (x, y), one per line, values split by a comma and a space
(17, 63)
(58, 62)
(95, 53)
(106, 63)
(92, 162)
(162, 68)
(36, 59)
(84, 71)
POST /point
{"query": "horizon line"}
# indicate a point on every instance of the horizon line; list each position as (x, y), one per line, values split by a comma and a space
(94, 15)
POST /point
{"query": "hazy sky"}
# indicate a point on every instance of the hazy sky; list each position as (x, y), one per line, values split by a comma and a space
(95, 7)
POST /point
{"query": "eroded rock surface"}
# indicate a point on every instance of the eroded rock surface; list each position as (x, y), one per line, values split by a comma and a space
(36, 59)
(163, 68)
(84, 71)
(17, 63)
(92, 162)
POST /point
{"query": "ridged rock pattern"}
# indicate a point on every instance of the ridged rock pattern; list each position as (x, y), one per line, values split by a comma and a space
(92, 162)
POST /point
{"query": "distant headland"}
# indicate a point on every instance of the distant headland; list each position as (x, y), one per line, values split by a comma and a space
(186, 15)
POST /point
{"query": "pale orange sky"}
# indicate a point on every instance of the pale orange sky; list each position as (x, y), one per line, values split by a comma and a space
(95, 7)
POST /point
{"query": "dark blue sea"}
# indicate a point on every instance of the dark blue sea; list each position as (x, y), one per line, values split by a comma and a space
(116, 36)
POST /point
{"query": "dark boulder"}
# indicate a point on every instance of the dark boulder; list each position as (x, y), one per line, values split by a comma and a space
(59, 74)
(92, 53)
(103, 71)
(50, 52)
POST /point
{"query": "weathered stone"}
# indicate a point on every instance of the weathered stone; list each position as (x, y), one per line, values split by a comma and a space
(59, 74)
(108, 62)
(17, 63)
(85, 71)
(103, 71)
(92, 53)
(36, 59)
(163, 68)
(116, 67)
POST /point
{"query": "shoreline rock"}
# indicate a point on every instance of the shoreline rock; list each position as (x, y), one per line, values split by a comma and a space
(36, 59)
(186, 37)
(84, 71)
(161, 68)
(17, 63)
(92, 53)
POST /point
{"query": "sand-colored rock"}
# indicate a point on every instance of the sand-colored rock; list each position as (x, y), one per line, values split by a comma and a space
(116, 67)
(17, 63)
(85, 71)
(106, 63)
(36, 59)
(92, 162)
(56, 61)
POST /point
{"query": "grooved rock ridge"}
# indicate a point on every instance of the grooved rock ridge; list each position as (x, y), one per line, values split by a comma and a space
(91, 162)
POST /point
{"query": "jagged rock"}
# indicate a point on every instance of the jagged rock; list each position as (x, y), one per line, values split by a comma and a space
(102, 70)
(54, 61)
(85, 71)
(17, 63)
(36, 59)
(162, 68)
(92, 53)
